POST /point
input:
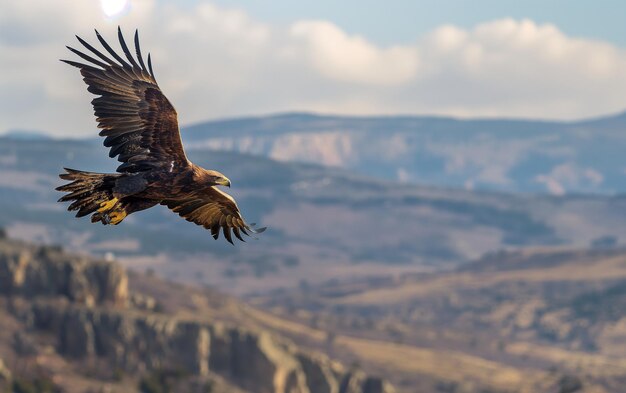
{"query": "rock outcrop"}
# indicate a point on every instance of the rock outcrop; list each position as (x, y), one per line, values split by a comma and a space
(321, 373)
(85, 308)
(30, 272)
(139, 342)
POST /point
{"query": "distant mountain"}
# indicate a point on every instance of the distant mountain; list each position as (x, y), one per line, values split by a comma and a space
(25, 135)
(503, 155)
(324, 223)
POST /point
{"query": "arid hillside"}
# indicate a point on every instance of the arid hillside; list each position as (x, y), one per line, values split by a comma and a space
(69, 323)
(511, 321)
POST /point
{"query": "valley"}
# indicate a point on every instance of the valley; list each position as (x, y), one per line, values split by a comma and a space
(325, 223)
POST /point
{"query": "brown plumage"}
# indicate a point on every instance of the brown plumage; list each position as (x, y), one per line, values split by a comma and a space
(140, 127)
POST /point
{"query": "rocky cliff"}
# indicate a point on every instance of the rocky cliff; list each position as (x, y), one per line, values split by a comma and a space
(37, 271)
(83, 307)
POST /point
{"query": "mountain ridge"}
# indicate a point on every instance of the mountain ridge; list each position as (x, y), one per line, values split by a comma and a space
(515, 155)
(512, 155)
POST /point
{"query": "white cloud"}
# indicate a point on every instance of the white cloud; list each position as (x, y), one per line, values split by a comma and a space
(213, 62)
(353, 59)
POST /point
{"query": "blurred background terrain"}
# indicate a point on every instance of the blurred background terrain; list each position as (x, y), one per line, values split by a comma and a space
(511, 289)
(446, 214)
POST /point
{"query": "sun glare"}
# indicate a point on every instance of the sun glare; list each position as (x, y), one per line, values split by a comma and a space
(113, 8)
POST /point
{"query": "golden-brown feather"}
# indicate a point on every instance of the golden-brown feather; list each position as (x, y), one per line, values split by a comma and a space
(212, 208)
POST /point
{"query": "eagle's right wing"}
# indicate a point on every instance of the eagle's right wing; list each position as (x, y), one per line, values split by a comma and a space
(214, 210)
(138, 121)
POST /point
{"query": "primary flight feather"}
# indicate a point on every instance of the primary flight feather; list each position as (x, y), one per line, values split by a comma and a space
(140, 127)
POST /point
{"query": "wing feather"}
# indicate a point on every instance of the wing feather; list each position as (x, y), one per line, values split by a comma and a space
(138, 122)
(130, 58)
(95, 51)
(111, 51)
(227, 234)
(237, 234)
(79, 65)
(214, 210)
(150, 65)
(86, 57)
(138, 51)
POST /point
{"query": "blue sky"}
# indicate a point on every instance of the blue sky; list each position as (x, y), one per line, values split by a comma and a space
(400, 21)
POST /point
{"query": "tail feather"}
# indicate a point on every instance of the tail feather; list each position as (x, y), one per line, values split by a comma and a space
(89, 192)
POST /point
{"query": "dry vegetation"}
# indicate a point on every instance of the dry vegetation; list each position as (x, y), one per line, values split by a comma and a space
(526, 321)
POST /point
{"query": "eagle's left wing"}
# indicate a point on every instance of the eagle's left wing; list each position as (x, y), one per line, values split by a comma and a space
(214, 210)
(138, 121)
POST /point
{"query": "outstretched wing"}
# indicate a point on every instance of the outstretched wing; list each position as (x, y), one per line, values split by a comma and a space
(138, 121)
(214, 210)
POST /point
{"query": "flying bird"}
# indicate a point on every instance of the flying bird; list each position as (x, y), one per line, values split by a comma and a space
(140, 127)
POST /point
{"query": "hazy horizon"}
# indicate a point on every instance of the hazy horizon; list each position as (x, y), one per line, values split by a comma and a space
(42, 132)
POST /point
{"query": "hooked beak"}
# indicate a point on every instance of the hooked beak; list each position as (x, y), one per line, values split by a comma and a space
(223, 182)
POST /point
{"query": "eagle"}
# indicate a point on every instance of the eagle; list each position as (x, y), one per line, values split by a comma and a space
(140, 127)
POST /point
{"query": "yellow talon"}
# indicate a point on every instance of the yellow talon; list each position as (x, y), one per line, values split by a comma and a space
(117, 216)
(108, 205)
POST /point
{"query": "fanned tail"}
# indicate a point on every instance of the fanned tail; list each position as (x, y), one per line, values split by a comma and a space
(92, 193)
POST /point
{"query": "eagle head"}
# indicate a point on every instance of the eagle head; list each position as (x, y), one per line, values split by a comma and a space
(211, 178)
